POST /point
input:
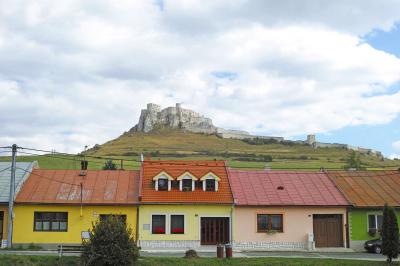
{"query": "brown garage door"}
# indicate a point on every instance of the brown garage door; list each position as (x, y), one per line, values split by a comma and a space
(328, 230)
(214, 230)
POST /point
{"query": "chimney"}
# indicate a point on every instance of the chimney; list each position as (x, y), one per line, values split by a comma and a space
(84, 165)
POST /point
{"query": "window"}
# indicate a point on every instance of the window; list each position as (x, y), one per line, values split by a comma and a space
(177, 224)
(374, 222)
(186, 184)
(158, 224)
(210, 185)
(51, 221)
(121, 217)
(269, 222)
(163, 184)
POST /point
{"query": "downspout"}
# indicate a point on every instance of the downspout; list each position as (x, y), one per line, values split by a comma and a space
(139, 199)
(347, 228)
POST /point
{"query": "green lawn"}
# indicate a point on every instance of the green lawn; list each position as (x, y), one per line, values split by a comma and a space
(8, 260)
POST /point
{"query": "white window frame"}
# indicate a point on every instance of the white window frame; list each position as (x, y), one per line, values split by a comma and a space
(162, 175)
(210, 175)
(376, 214)
(186, 175)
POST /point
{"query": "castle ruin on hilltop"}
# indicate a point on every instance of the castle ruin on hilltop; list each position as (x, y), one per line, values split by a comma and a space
(177, 117)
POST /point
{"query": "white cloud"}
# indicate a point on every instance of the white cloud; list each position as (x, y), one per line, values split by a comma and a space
(396, 145)
(74, 73)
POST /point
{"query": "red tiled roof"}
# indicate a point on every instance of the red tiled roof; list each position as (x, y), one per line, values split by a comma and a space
(264, 188)
(369, 188)
(63, 186)
(176, 168)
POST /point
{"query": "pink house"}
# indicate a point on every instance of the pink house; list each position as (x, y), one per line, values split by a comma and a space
(285, 210)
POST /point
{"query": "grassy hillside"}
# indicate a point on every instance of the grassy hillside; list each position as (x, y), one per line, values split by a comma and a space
(175, 144)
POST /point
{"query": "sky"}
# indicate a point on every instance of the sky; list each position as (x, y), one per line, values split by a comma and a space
(76, 73)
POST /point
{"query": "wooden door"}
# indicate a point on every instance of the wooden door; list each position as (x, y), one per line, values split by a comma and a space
(1, 224)
(328, 230)
(214, 230)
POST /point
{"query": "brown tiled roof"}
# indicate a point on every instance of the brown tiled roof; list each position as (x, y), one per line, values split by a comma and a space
(284, 188)
(369, 188)
(63, 186)
(176, 168)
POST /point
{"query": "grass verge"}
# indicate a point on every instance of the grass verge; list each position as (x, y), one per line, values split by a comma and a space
(8, 260)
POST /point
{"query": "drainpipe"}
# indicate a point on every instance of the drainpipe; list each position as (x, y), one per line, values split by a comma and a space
(231, 227)
(347, 229)
(137, 223)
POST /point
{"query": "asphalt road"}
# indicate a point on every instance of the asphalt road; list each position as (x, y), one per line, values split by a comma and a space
(281, 254)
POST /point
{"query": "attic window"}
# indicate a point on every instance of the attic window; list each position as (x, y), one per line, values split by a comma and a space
(186, 181)
(210, 182)
(162, 182)
(280, 188)
(210, 185)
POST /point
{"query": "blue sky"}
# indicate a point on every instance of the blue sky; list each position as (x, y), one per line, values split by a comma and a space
(76, 73)
(378, 137)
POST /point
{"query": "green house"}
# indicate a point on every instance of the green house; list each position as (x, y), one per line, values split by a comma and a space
(367, 192)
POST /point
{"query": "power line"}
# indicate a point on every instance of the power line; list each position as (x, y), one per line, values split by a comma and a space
(48, 178)
(90, 156)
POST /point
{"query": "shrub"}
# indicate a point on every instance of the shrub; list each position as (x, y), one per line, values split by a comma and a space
(110, 243)
(190, 254)
(110, 165)
(390, 234)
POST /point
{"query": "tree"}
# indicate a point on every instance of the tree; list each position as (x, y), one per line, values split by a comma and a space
(110, 165)
(390, 234)
(353, 161)
(110, 243)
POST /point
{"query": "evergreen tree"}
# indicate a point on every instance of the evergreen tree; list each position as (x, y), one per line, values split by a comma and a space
(110, 243)
(353, 161)
(390, 234)
(110, 165)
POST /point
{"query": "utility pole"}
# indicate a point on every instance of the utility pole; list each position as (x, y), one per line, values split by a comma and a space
(11, 199)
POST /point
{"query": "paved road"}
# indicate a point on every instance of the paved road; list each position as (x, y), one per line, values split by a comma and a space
(281, 254)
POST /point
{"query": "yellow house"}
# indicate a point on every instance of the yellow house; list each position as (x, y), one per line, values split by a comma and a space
(22, 172)
(184, 204)
(57, 207)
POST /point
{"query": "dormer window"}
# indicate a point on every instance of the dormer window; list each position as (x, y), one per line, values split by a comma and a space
(210, 185)
(210, 182)
(162, 182)
(186, 181)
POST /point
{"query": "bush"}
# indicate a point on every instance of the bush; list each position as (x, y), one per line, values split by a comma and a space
(390, 234)
(110, 165)
(110, 243)
(190, 254)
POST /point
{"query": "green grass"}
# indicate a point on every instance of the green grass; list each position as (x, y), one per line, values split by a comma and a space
(11, 260)
(178, 145)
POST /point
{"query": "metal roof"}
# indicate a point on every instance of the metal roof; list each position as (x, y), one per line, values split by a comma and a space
(369, 188)
(103, 187)
(21, 173)
(284, 188)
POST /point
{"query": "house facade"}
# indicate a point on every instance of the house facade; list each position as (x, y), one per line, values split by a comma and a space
(184, 204)
(281, 210)
(367, 191)
(57, 207)
(22, 172)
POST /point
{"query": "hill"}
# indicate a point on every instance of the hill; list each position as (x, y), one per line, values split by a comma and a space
(167, 143)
